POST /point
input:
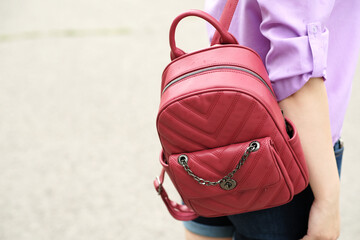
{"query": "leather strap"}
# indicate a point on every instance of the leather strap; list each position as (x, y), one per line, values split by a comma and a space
(225, 19)
(178, 211)
(226, 37)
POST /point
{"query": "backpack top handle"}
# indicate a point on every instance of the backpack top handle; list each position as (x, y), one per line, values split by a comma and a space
(224, 36)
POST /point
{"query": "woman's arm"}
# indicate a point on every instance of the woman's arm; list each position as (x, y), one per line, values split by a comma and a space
(308, 109)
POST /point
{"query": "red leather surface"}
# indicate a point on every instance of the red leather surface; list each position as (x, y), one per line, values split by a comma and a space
(232, 55)
(211, 116)
(178, 211)
(202, 122)
(262, 181)
(221, 108)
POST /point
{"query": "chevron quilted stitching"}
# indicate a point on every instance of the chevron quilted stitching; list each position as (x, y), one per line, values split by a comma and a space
(219, 151)
(290, 164)
(213, 174)
(165, 141)
(245, 176)
(274, 199)
(175, 146)
(243, 122)
(260, 191)
(283, 151)
(201, 107)
(170, 117)
(230, 163)
(238, 120)
(214, 111)
(227, 115)
(261, 125)
(209, 165)
(199, 206)
(226, 206)
(241, 203)
(237, 202)
(215, 129)
(258, 198)
(198, 131)
(179, 135)
(188, 119)
(203, 126)
(252, 163)
(198, 123)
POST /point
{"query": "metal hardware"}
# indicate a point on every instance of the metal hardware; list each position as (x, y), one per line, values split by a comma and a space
(183, 159)
(160, 185)
(226, 183)
(256, 145)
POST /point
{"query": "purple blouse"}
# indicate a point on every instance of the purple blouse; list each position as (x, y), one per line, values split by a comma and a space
(298, 40)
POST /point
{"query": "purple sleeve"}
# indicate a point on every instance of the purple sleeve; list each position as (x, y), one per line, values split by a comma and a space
(298, 42)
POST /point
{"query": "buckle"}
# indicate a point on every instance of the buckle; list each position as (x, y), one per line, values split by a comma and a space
(159, 190)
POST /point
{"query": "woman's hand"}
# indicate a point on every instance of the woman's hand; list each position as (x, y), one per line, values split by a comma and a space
(324, 221)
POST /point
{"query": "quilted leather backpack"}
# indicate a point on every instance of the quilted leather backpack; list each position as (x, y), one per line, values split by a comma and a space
(226, 145)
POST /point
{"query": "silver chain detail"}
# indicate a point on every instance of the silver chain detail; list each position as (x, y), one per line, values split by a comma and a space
(182, 159)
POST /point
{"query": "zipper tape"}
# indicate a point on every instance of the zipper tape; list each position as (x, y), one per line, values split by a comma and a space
(216, 68)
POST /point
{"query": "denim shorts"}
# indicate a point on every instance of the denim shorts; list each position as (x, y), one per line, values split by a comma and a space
(286, 222)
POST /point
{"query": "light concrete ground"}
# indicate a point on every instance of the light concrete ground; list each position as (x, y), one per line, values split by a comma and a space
(79, 92)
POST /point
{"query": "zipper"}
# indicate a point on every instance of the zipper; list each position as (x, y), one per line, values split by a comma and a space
(216, 68)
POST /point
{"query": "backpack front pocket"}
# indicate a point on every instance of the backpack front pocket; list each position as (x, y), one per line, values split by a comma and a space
(232, 179)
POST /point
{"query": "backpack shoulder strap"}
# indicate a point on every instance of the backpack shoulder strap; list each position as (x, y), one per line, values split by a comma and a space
(225, 19)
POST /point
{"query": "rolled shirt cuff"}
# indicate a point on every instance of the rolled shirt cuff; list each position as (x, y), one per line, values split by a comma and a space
(293, 61)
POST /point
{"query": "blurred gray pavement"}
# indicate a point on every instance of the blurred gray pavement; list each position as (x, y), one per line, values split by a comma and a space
(79, 94)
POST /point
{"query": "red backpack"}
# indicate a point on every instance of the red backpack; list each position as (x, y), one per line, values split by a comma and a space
(225, 144)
